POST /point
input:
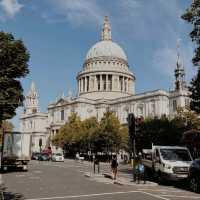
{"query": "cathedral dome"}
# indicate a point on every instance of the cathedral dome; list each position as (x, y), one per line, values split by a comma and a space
(106, 48)
(105, 73)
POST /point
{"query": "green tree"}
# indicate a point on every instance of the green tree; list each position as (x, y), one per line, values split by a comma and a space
(124, 138)
(6, 126)
(13, 66)
(159, 131)
(192, 16)
(90, 128)
(195, 93)
(91, 135)
(187, 119)
(108, 137)
(71, 133)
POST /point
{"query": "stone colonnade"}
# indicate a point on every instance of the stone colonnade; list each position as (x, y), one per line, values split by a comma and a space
(104, 82)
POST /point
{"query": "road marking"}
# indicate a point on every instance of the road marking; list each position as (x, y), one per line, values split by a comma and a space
(34, 177)
(20, 175)
(37, 172)
(159, 190)
(154, 195)
(187, 197)
(100, 194)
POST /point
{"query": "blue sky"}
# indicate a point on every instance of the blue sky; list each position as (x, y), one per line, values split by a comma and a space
(58, 34)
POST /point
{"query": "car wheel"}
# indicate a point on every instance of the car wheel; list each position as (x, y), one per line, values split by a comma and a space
(159, 178)
(194, 184)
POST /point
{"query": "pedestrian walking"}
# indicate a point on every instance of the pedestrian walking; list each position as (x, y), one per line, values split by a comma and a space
(114, 165)
(96, 163)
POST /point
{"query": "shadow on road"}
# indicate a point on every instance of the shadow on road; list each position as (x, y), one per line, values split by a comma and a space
(7, 195)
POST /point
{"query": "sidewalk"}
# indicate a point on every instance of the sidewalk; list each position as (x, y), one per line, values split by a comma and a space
(124, 176)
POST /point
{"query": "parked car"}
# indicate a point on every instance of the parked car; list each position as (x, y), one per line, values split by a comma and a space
(194, 175)
(44, 157)
(57, 157)
(35, 155)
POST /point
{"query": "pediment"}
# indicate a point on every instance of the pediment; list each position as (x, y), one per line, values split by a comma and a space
(60, 102)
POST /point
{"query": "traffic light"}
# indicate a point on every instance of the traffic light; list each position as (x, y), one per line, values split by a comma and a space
(138, 122)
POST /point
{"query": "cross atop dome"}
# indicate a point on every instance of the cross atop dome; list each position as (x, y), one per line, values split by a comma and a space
(106, 30)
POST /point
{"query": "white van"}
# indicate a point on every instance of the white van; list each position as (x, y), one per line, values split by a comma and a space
(169, 162)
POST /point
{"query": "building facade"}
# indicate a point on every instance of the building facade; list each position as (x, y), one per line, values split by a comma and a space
(106, 82)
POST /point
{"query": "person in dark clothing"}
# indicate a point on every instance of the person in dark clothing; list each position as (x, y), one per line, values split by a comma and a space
(114, 165)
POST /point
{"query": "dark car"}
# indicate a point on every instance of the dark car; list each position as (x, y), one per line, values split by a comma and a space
(194, 176)
(44, 157)
(35, 155)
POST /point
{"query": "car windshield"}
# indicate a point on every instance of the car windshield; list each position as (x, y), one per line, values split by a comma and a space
(175, 154)
(58, 154)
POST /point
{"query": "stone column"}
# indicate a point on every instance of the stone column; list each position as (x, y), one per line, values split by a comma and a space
(101, 83)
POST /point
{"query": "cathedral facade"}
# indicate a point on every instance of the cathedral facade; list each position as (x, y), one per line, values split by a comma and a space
(105, 82)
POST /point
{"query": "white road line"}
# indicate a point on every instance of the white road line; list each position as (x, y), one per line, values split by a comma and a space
(159, 190)
(100, 194)
(186, 197)
(20, 175)
(154, 195)
(85, 195)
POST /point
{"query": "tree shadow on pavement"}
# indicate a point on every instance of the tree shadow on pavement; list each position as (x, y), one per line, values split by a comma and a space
(7, 195)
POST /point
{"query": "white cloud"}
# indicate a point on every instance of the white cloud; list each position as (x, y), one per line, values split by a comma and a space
(75, 11)
(10, 7)
(165, 58)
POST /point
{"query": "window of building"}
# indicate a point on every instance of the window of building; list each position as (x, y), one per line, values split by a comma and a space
(62, 113)
(109, 82)
(153, 108)
(174, 105)
(187, 102)
(87, 83)
(83, 84)
(125, 84)
(31, 124)
(140, 111)
(98, 82)
(121, 82)
(104, 81)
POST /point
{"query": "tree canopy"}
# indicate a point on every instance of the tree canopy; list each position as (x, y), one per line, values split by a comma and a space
(165, 131)
(195, 93)
(14, 59)
(90, 135)
(192, 16)
(6, 126)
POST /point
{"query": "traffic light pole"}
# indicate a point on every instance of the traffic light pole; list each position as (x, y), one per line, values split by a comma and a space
(2, 147)
(132, 134)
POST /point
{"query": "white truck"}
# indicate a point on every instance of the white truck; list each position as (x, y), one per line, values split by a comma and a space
(167, 162)
(16, 150)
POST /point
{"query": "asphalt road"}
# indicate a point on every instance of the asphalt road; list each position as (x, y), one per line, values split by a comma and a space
(49, 181)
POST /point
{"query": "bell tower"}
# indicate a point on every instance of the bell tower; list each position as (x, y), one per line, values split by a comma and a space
(31, 101)
(179, 73)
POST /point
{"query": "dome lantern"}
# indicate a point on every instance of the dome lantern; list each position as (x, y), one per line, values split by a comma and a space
(106, 30)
